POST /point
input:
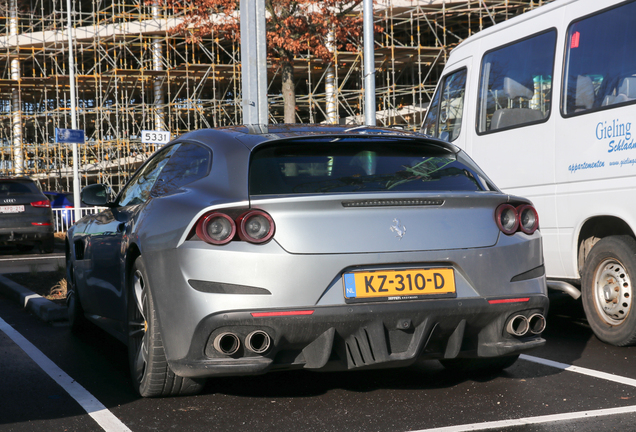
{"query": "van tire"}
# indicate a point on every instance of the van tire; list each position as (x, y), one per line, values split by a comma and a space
(607, 289)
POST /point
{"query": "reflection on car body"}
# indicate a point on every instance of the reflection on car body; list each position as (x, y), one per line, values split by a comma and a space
(316, 247)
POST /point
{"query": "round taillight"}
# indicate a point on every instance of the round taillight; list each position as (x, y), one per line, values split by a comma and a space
(216, 228)
(507, 219)
(528, 218)
(255, 226)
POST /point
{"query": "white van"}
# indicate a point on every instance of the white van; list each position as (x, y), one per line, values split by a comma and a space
(545, 103)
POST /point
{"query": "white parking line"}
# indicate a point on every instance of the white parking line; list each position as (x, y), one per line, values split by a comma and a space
(554, 417)
(38, 258)
(582, 371)
(534, 420)
(93, 407)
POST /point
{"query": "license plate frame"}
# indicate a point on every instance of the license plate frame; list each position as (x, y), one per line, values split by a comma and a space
(399, 284)
(11, 209)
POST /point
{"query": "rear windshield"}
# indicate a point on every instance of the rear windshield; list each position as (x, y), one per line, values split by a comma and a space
(7, 188)
(355, 165)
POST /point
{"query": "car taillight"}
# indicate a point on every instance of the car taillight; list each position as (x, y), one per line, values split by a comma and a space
(511, 219)
(528, 219)
(507, 219)
(45, 203)
(255, 226)
(216, 228)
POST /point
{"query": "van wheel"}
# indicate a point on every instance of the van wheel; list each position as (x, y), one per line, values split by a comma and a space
(151, 374)
(608, 290)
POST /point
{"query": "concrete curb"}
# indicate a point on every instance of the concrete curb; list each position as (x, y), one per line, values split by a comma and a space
(44, 309)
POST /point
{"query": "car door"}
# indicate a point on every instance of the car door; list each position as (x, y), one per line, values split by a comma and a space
(108, 240)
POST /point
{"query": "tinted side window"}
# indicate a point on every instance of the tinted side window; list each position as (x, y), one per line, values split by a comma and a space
(600, 67)
(189, 163)
(444, 117)
(516, 84)
(138, 188)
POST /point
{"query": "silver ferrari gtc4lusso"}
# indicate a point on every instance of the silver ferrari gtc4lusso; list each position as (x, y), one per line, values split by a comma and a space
(242, 250)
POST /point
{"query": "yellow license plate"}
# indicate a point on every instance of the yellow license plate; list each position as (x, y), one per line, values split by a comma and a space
(399, 283)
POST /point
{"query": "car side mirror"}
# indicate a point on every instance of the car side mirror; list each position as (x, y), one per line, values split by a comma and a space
(95, 195)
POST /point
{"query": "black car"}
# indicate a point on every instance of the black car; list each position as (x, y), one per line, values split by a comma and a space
(26, 218)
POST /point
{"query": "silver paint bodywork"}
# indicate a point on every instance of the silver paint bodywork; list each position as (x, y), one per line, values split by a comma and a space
(316, 240)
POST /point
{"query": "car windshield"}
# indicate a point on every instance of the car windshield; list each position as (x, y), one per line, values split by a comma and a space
(358, 165)
(7, 188)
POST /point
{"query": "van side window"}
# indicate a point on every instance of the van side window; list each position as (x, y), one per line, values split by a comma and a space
(516, 84)
(444, 117)
(600, 67)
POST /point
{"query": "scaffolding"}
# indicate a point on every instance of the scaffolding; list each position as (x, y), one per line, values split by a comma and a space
(133, 75)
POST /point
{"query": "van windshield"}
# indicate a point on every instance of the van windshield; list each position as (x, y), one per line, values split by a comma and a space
(444, 116)
(358, 165)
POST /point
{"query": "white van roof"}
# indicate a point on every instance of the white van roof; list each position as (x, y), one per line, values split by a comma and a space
(542, 10)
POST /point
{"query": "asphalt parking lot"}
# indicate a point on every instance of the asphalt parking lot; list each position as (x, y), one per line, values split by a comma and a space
(54, 380)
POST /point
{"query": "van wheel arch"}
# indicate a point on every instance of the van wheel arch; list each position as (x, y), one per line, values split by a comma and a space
(595, 229)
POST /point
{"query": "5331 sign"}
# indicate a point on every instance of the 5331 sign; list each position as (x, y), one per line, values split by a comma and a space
(155, 137)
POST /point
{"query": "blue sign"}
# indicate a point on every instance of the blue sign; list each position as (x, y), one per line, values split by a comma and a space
(350, 285)
(69, 136)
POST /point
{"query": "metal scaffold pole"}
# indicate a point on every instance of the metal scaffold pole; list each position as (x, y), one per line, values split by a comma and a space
(16, 100)
(369, 64)
(157, 65)
(71, 73)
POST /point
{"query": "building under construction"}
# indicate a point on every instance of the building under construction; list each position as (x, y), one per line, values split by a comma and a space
(132, 75)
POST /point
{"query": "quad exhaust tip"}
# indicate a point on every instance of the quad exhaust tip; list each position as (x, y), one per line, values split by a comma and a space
(520, 325)
(537, 323)
(258, 341)
(227, 343)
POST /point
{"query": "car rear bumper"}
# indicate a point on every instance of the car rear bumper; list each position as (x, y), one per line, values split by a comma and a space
(361, 336)
(26, 234)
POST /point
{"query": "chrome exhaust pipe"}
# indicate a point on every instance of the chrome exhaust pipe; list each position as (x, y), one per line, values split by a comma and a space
(518, 325)
(258, 341)
(537, 323)
(227, 343)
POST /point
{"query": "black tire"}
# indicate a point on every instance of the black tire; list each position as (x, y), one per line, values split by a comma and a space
(76, 319)
(607, 290)
(149, 369)
(480, 366)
